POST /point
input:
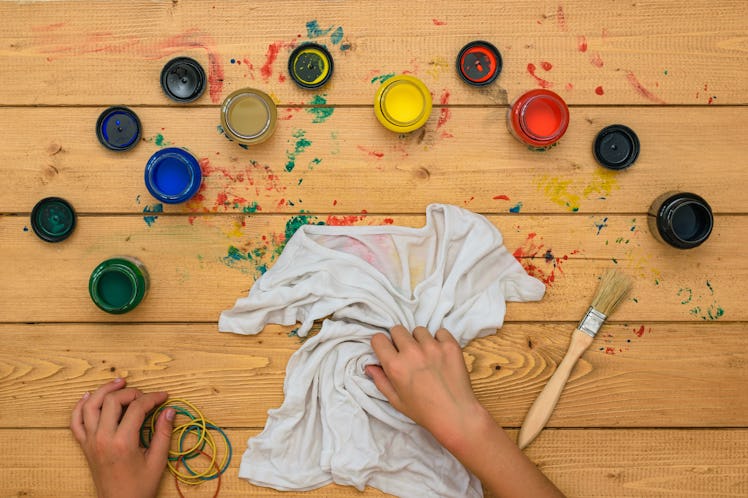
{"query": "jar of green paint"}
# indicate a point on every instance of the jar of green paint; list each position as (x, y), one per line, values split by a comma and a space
(118, 284)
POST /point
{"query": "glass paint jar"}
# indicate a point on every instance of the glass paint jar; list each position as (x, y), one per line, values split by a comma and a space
(248, 116)
(402, 104)
(680, 219)
(538, 119)
(173, 175)
(119, 284)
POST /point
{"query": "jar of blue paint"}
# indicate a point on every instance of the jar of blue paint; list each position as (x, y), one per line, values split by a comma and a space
(172, 175)
(118, 285)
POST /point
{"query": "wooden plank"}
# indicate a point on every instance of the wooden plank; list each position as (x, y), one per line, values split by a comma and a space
(213, 260)
(639, 374)
(594, 464)
(606, 53)
(334, 167)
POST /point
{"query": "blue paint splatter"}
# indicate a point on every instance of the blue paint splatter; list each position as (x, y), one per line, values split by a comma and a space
(516, 208)
(156, 208)
(25, 229)
(602, 224)
(345, 46)
(337, 36)
(314, 31)
(233, 61)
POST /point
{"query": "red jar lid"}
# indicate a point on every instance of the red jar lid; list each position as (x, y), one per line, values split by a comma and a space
(539, 117)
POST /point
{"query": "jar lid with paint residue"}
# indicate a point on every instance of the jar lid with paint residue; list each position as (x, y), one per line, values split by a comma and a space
(53, 219)
(616, 147)
(310, 65)
(118, 128)
(402, 104)
(248, 116)
(479, 63)
(183, 79)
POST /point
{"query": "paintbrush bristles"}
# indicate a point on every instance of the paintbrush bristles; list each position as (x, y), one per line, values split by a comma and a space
(611, 290)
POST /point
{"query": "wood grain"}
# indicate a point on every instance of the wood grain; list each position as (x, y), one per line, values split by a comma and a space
(641, 374)
(469, 160)
(214, 260)
(636, 53)
(584, 464)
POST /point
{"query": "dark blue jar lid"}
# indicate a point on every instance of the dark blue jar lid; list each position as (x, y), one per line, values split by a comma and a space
(183, 79)
(118, 128)
(172, 175)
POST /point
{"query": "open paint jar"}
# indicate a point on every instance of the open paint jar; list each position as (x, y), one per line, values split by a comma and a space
(680, 219)
(119, 284)
(248, 116)
(539, 119)
(402, 104)
(172, 175)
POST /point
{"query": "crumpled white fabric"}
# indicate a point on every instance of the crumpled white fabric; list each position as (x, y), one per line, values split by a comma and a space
(334, 425)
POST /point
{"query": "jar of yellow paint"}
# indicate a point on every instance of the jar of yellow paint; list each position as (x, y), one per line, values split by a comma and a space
(402, 104)
(248, 116)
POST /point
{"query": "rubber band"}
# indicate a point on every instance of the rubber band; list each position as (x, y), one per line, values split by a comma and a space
(179, 490)
(201, 430)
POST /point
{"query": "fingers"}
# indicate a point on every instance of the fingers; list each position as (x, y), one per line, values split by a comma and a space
(76, 420)
(92, 406)
(401, 338)
(137, 411)
(158, 451)
(113, 406)
(383, 384)
(444, 335)
(422, 335)
(383, 348)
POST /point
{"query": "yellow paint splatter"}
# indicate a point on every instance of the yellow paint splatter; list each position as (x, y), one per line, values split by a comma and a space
(236, 230)
(437, 67)
(569, 194)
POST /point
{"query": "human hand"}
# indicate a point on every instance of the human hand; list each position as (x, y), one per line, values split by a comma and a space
(425, 378)
(107, 426)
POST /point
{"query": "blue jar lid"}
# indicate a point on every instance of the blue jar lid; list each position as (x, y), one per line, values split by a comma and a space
(118, 128)
(172, 175)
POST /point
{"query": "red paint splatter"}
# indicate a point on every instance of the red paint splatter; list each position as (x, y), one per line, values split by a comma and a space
(48, 27)
(222, 198)
(445, 113)
(640, 331)
(609, 350)
(634, 82)
(501, 197)
(191, 219)
(372, 153)
(710, 100)
(599, 90)
(531, 250)
(546, 65)
(281, 78)
(469, 200)
(541, 82)
(706, 88)
(437, 22)
(596, 60)
(266, 71)
(334, 202)
(388, 221)
(561, 18)
(582, 43)
(347, 220)
(569, 86)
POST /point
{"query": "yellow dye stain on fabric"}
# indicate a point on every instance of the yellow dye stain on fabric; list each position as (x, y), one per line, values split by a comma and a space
(569, 194)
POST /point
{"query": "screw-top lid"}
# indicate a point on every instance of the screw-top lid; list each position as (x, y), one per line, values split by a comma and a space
(53, 219)
(402, 104)
(479, 63)
(616, 147)
(183, 79)
(310, 65)
(172, 175)
(118, 128)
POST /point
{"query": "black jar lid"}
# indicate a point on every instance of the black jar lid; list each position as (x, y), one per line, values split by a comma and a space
(479, 63)
(118, 128)
(616, 147)
(53, 219)
(310, 65)
(183, 79)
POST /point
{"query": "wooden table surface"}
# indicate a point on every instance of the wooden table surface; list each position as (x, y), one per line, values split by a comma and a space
(659, 404)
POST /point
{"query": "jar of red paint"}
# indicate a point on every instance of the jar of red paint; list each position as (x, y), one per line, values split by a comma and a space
(538, 118)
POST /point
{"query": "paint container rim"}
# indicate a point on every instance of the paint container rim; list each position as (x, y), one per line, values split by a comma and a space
(326, 72)
(611, 161)
(668, 211)
(488, 49)
(518, 113)
(180, 157)
(268, 128)
(103, 120)
(190, 64)
(386, 118)
(41, 228)
(135, 276)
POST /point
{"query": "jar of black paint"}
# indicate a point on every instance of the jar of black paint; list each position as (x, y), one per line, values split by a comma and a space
(680, 219)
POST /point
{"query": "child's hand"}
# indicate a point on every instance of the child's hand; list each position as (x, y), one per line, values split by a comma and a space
(425, 378)
(107, 426)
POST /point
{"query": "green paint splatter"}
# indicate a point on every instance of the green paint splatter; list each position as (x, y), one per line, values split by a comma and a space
(615, 261)
(314, 162)
(686, 294)
(300, 180)
(320, 113)
(252, 208)
(709, 286)
(337, 35)
(382, 78)
(516, 208)
(313, 29)
(159, 140)
(296, 222)
(300, 146)
(665, 72)
(155, 208)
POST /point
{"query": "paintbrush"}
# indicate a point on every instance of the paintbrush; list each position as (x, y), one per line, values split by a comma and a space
(611, 290)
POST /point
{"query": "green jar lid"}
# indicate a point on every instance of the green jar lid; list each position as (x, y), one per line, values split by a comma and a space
(118, 285)
(53, 219)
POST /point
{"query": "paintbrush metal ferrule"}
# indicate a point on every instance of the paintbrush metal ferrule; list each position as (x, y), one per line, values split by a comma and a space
(591, 322)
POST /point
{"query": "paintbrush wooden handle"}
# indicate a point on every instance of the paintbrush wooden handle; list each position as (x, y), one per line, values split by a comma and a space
(542, 408)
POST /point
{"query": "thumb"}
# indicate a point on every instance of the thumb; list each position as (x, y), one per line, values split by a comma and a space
(383, 384)
(158, 451)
